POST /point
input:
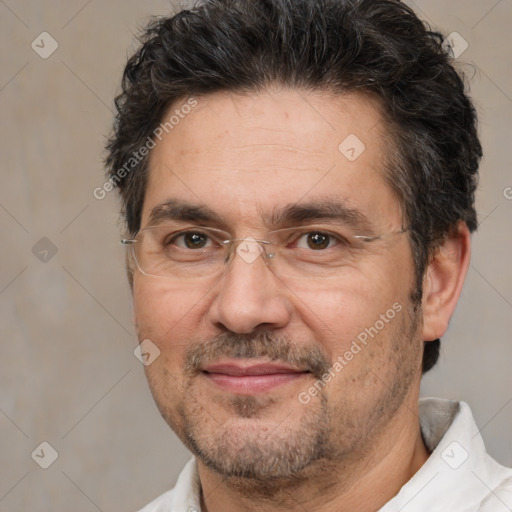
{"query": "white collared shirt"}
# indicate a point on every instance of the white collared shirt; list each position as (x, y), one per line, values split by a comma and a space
(459, 475)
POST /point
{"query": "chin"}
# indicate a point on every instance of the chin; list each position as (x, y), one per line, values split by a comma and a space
(257, 442)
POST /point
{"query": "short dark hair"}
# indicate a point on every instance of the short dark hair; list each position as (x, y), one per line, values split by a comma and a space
(375, 47)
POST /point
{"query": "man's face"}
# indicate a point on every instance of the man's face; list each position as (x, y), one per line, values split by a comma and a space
(243, 352)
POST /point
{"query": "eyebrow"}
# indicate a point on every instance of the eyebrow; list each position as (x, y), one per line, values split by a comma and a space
(320, 210)
(181, 211)
(289, 215)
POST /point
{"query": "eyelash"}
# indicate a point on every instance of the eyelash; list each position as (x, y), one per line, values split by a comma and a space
(293, 240)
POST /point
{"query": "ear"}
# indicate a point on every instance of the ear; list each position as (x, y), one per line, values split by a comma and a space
(443, 281)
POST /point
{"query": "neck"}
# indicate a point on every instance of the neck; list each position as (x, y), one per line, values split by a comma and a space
(364, 481)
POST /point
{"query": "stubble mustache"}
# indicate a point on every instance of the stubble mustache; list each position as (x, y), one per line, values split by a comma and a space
(264, 345)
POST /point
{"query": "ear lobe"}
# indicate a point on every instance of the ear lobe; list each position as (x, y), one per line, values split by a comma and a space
(443, 281)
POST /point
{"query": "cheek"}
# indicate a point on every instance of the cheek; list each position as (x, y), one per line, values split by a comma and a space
(349, 305)
(165, 313)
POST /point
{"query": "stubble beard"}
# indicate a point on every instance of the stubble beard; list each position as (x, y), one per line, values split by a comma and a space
(265, 456)
(260, 440)
(247, 447)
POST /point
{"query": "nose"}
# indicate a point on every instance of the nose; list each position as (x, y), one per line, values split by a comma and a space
(249, 296)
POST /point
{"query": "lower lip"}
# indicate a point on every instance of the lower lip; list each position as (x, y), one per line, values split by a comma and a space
(250, 384)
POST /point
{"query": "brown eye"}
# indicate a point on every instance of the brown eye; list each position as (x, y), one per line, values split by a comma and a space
(191, 240)
(318, 240)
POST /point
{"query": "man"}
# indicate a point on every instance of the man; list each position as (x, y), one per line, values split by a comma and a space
(298, 184)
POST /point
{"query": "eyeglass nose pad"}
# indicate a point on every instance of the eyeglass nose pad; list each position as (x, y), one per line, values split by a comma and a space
(250, 249)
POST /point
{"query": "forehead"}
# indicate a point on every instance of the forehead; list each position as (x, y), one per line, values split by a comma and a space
(244, 154)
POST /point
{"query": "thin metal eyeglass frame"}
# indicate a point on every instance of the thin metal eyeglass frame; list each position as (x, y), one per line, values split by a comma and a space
(229, 243)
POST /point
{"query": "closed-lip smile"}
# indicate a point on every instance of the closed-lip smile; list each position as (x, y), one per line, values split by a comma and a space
(247, 377)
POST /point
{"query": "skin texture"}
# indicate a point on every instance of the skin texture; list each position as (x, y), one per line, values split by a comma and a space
(357, 440)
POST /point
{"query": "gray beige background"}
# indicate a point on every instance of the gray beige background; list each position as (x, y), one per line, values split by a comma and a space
(68, 375)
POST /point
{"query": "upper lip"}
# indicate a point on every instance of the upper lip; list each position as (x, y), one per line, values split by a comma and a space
(240, 369)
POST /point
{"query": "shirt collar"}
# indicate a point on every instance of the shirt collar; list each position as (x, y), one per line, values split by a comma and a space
(459, 476)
